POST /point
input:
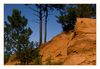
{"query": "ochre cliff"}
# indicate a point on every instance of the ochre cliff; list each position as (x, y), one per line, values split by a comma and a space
(76, 47)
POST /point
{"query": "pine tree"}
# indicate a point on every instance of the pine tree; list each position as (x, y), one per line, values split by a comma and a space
(20, 37)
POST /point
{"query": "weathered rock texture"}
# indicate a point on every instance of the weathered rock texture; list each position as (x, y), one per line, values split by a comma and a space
(76, 47)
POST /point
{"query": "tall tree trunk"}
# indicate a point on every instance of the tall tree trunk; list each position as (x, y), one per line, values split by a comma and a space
(46, 16)
(40, 13)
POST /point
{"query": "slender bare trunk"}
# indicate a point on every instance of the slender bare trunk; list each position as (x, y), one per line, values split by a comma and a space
(40, 13)
(46, 16)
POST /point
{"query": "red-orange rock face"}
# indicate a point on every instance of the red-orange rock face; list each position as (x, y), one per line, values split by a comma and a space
(76, 47)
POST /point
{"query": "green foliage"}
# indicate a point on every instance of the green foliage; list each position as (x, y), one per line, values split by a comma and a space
(17, 40)
(37, 57)
(68, 20)
(68, 17)
(18, 34)
(38, 61)
(16, 20)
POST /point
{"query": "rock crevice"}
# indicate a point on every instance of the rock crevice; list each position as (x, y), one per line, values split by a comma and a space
(75, 47)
